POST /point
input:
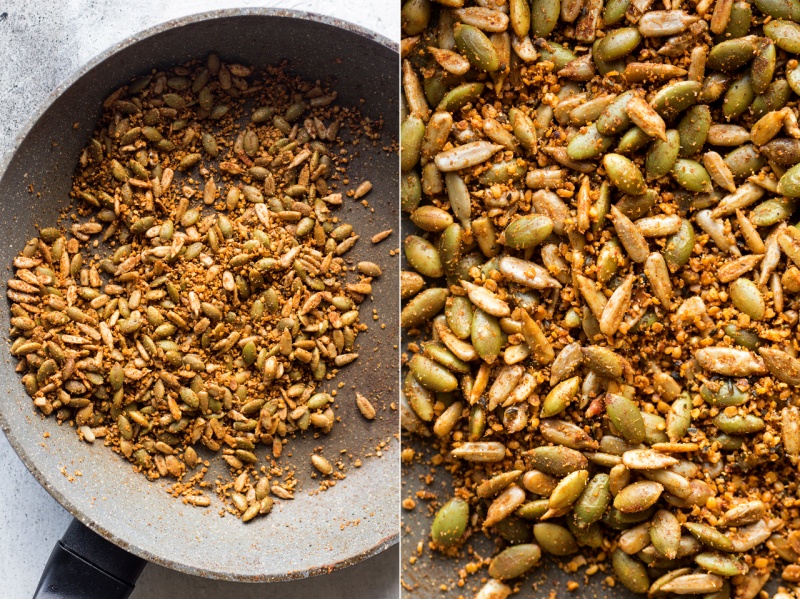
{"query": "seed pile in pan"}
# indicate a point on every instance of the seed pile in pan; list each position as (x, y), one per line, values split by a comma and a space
(201, 299)
(602, 295)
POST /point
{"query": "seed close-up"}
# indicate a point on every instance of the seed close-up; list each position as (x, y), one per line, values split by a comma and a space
(612, 271)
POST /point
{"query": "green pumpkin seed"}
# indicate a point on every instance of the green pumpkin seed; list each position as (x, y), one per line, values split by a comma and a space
(634, 140)
(739, 425)
(116, 377)
(763, 68)
(431, 218)
(420, 398)
(431, 375)
(744, 161)
(638, 496)
(691, 175)
(624, 174)
(738, 97)
(747, 298)
(520, 17)
(478, 49)
(539, 483)
(614, 118)
(679, 418)
(410, 191)
(719, 563)
(785, 34)
(615, 10)
(533, 510)
(497, 483)
(630, 571)
(662, 155)
(557, 460)
(731, 55)
(693, 130)
(679, 246)
(485, 234)
(544, 17)
(741, 337)
(423, 256)
(772, 211)
(415, 15)
(412, 133)
(709, 536)
(445, 357)
(458, 310)
(621, 521)
(789, 184)
(559, 397)
(559, 55)
(555, 539)
(514, 561)
(618, 43)
(665, 533)
(460, 96)
(436, 133)
(780, 9)
(486, 336)
(775, 98)
(626, 417)
(521, 124)
(450, 522)
(514, 530)
(654, 427)
(568, 489)
(588, 145)
(674, 98)
(188, 161)
(635, 539)
(594, 500)
(528, 231)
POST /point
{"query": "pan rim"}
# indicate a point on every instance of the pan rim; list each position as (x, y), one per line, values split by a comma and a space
(70, 80)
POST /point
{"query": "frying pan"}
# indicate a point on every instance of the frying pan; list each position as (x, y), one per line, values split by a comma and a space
(121, 519)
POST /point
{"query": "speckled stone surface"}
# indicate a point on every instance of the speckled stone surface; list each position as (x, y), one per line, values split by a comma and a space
(41, 43)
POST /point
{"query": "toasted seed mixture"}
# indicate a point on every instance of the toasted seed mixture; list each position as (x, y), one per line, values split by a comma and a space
(601, 295)
(199, 297)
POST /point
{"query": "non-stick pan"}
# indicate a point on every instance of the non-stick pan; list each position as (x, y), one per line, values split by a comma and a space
(124, 518)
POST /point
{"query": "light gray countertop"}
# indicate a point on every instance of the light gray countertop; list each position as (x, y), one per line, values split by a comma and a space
(42, 41)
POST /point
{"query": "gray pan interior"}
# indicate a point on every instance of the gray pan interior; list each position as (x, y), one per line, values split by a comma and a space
(314, 533)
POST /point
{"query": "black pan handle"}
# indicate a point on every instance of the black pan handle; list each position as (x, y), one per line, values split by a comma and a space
(84, 565)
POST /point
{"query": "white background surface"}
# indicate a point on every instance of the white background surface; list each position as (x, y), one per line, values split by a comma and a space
(41, 42)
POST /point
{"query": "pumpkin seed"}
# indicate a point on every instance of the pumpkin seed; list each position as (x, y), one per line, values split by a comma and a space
(514, 561)
(665, 533)
(709, 536)
(631, 572)
(594, 500)
(555, 539)
(450, 522)
(638, 496)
